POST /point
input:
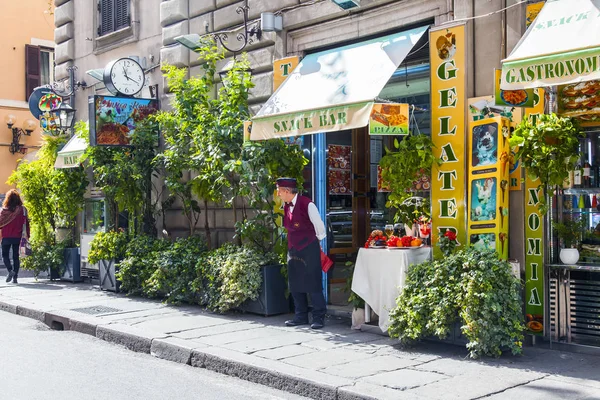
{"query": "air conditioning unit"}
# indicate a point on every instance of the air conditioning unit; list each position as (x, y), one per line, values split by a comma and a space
(347, 4)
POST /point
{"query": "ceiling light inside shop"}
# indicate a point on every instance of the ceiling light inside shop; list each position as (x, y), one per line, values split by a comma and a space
(347, 4)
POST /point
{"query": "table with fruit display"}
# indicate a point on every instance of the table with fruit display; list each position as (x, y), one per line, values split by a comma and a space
(380, 271)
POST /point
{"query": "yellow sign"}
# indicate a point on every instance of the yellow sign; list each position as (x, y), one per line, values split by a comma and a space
(448, 107)
(388, 119)
(282, 68)
(532, 12)
(489, 160)
(534, 244)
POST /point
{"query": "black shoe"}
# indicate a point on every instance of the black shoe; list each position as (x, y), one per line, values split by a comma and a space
(317, 324)
(15, 279)
(10, 276)
(295, 322)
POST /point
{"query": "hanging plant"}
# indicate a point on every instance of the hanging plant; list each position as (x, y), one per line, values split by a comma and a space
(548, 150)
(413, 157)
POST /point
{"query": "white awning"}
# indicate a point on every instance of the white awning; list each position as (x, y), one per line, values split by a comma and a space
(69, 156)
(561, 46)
(335, 89)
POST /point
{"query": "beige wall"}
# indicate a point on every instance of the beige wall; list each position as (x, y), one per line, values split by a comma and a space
(23, 22)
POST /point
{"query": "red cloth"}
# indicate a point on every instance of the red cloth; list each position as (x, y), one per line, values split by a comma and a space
(326, 262)
(15, 228)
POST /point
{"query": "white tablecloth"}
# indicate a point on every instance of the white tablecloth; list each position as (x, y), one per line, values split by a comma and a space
(380, 274)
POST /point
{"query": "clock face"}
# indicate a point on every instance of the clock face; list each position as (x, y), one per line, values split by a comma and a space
(125, 76)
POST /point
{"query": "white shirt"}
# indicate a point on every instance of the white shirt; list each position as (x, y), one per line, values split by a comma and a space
(314, 216)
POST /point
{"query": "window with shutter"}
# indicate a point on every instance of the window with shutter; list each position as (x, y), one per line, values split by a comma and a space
(114, 15)
(32, 69)
(121, 14)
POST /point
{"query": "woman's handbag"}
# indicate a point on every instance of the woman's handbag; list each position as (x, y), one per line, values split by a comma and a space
(24, 246)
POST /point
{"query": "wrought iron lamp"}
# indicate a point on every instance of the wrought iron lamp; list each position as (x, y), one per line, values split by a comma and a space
(28, 127)
(245, 37)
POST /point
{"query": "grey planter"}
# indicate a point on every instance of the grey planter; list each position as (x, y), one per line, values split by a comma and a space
(108, 280)
(71, 265)
(271, 299)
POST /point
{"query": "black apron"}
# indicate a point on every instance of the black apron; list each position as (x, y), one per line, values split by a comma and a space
(304, 269)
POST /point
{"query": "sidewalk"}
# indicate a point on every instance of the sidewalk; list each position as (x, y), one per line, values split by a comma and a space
(333, 363)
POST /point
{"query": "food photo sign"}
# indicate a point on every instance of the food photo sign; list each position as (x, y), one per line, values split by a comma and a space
(511, 98)
(388, 119)
(113, 120)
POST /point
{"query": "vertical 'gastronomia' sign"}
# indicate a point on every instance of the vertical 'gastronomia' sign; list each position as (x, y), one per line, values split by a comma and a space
(448, 101)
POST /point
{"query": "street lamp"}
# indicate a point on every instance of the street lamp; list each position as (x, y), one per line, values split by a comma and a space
(65, 116)
(28, 128)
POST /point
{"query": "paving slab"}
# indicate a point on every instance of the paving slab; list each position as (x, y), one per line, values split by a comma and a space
(280, 353)
(475, 385)
(240, 336)
(367, 391)
(369, 366)
(231, 326)
(325, 359)
(178, 323)
(404, 379)
(271, 342)
(546, 389)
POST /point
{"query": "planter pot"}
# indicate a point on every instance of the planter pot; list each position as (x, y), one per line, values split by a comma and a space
(71, 265)
(54, 273)
(271, 298)
(108, 281)
(411, 230)
(569, 256)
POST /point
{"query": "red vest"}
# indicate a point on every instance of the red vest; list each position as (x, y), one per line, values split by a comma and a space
(301, 232)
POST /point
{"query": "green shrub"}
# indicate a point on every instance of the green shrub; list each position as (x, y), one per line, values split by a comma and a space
(174, 271)
(140, 262)
(230, 275)
(45, 256)
(107, 246)
(473, 285)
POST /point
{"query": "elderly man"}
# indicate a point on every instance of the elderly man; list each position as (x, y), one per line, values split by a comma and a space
(305, 229)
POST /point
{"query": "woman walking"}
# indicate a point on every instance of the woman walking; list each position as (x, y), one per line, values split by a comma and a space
(12, 217)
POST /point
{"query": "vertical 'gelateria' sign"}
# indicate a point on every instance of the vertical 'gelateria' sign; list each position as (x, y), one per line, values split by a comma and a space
(448, 102)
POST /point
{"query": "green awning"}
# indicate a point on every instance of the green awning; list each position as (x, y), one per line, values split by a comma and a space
(335, 89)
(562, 46)
(70, 155)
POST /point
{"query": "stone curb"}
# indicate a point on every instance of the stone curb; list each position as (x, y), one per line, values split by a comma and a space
(11, 308)
(125, 335)
(31, 313)
(243, 366)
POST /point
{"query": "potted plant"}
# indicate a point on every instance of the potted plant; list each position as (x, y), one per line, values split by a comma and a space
(548, 150)
(471, 289)
(412, 158)
(107, 249)
(569, 232)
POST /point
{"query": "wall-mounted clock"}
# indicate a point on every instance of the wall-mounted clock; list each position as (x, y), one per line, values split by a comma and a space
(124, 76)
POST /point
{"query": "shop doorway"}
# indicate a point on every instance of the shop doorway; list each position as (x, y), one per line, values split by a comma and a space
(354, 207)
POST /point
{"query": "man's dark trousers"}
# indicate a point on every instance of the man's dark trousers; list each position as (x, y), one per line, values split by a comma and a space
(301, 306)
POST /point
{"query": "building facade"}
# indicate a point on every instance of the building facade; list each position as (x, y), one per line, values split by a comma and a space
(27, 44)
(90, 37)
